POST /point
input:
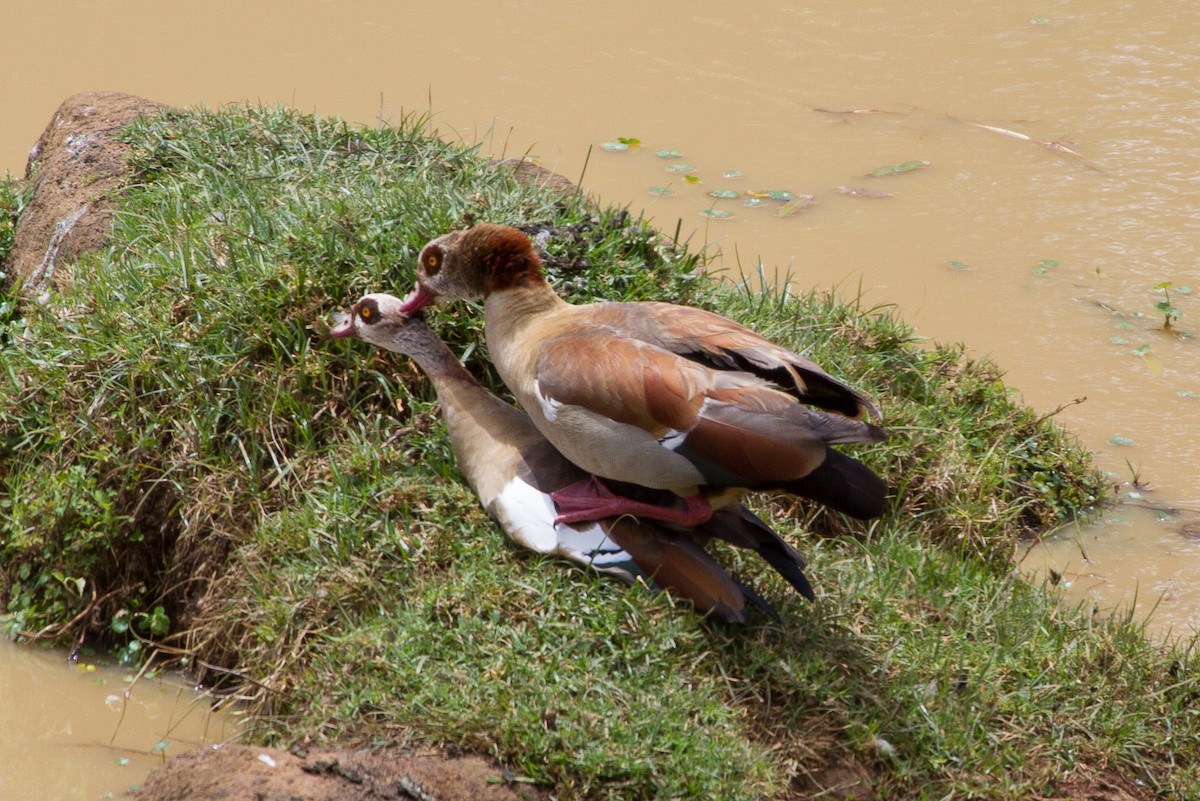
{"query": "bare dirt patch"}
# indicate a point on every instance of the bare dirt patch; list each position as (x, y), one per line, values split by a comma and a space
(237, 773)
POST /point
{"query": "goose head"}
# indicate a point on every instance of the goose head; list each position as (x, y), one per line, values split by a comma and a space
(472, 263)
(380, 319)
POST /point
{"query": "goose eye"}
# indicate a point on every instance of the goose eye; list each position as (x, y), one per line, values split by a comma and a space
(367, 314)
(433, 263)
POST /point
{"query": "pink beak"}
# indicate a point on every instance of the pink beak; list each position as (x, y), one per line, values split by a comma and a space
(344, 327)
(416, 300)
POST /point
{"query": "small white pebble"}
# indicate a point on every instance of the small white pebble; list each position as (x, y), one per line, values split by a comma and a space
(884, 747)
(266, 760)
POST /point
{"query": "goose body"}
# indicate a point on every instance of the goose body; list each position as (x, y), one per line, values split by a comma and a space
(655, 394)
(514, 470)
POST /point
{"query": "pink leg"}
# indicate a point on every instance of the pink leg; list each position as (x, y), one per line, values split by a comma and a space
(590, 499)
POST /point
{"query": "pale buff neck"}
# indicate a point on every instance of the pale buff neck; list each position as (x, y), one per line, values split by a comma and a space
(508, 312)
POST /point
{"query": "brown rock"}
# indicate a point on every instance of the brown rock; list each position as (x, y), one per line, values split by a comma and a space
(536, 175)
(77, 169)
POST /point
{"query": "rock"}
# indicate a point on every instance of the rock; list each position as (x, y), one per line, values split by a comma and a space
(77, 169)
(536, 175)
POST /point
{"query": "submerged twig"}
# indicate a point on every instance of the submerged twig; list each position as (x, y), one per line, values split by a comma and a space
(1061, 406)
(835, 112)
(1058, 147)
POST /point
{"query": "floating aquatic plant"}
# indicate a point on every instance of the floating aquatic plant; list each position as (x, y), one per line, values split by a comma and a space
(1170, 313)
(895, 169)
(796, 205)
(621, 143)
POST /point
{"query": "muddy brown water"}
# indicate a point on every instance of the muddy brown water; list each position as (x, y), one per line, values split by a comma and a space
(1061, 184)
(82, 730)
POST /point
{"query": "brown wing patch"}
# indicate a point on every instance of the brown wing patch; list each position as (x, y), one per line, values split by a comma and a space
(681, 566)
(623, 380)
(755, 456)
(722, 344)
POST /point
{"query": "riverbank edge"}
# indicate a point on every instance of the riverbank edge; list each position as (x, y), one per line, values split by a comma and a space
(968, 524)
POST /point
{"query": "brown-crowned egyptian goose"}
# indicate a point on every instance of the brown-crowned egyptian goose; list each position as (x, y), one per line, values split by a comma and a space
(512, 468)
(654, 394)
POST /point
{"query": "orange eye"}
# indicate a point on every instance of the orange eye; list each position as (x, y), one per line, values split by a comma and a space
(432, 262)
(366, 313)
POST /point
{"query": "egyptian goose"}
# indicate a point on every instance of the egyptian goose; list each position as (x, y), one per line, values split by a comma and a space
(512, 468)
(654, 394)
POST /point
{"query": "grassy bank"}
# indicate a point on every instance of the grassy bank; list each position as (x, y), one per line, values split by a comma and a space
(187, 459)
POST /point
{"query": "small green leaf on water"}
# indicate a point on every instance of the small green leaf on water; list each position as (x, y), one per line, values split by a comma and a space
(1039, 270)
(1124, 325)
(956, 265)
(1189, 394)
(732, 175)
(781, 195)
(161, 745)
(614, 147)
(631, 141)
(669, 154)
(661, 191)
(723, 194)
(1047, 263)
(1120, 441)
(1164, 516)
(121, 760)
(1184, 290)
(1040, 21)
(1160, 287)
(680, 168)
(1141, 350)
(895, 169)
(692, 179)
(1119, 341)
(796, 206)
(751, 202)
(718, 214)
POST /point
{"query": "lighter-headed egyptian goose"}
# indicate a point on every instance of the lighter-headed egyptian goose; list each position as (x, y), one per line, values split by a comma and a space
(513, 470)
(654, 394)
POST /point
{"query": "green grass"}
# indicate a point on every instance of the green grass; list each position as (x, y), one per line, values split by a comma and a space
(177, 430)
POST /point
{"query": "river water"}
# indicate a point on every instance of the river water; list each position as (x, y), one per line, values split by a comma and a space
(83, 730)
(1053, 182)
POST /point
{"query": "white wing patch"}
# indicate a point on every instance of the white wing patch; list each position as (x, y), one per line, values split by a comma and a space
(549, 405)
(673, 439)
(527, 515)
